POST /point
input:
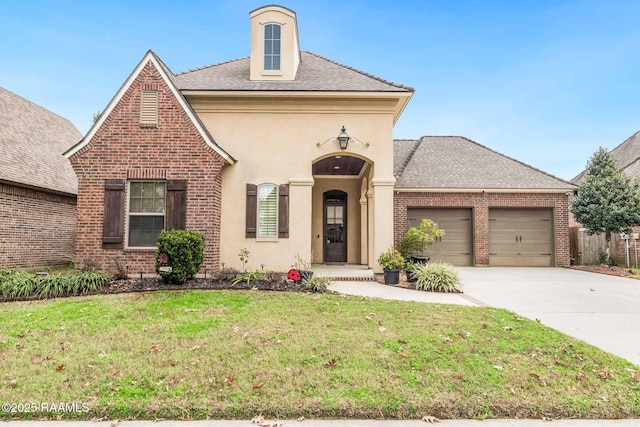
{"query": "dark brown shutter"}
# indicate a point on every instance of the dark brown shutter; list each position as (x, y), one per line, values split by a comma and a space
(176, 215)
(252, 209)
(283, 210)
(113, 214)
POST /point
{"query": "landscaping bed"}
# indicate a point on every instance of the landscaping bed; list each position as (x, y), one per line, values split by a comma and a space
(604, 269)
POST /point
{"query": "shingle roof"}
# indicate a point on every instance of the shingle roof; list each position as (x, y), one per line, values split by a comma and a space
(626, 154)
(454, 162)
(315, 73)
(32, 140)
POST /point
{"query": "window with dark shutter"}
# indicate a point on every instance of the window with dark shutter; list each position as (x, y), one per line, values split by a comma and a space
(251, 210)
(176, 204)
(113, 214)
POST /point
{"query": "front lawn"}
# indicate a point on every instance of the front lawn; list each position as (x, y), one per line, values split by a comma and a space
(235, 354)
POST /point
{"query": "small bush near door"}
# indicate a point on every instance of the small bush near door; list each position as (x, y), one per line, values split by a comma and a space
(179, 256)
(437, 277)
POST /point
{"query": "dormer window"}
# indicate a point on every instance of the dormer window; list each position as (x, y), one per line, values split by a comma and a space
(272, 41)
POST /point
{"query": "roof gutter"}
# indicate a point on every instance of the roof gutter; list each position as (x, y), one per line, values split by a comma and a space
(483, 190)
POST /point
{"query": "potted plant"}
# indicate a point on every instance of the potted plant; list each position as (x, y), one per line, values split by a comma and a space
(391, 262)
(416, 240)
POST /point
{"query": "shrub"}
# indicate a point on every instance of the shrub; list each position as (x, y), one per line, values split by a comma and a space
(20, 285)
(417, 239)
(182, 251)
(391, 259)
(317, 284)
(247, 276)
(437, 277)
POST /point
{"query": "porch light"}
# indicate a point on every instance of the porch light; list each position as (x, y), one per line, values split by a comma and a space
(343, 138)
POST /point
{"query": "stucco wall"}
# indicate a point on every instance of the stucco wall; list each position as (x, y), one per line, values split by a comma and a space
(275, 141)
(38, 228)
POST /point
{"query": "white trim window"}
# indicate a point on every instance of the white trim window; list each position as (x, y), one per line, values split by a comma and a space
(146, 215)
(272, 42)
(267, 211)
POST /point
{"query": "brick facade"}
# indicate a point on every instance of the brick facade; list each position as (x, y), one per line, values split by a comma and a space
(123, 149)
(480, 204)
(38, 228)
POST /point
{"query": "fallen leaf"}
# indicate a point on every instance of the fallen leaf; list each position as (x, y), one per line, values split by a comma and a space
(581, 377)
(195, 347)
(367, 318)
(228, 379)
(382, 329)
(538, 320)
(60, 368)
(457, 378)
(331, 364)
(300, 419)
(102, 354)
(402, 342)
(602, 374)
(429, 419)
(498, 367)
(508, 328)
(404, 352)
(257, 386)
(447, 339)
(632, 373)
(155, 348)
(174, 363)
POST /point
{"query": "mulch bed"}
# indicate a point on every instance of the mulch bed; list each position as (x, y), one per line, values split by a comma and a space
(603, 269)
(156, 284)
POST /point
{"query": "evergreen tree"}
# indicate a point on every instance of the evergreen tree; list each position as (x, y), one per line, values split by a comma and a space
(608, 200)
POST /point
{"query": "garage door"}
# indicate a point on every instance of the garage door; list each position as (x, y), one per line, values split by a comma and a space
(521, 237)
(455, 246)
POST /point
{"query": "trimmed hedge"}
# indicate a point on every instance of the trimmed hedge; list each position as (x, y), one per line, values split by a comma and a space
(179, 255)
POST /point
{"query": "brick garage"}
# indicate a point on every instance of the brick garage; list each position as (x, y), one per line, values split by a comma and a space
(38, 228)
(122, 149)
(480, 203)
(37, 185)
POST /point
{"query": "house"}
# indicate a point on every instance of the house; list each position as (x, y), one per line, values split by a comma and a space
(282, 153)
(37, 184)
(627, 154)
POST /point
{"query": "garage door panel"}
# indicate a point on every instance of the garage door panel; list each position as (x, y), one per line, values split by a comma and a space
(521, 237)
(455, 246)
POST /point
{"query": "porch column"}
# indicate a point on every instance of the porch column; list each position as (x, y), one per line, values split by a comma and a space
(300, 215)
(383, 217)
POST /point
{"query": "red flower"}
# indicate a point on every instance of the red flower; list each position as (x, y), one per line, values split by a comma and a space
(293, 274)
(164, 258)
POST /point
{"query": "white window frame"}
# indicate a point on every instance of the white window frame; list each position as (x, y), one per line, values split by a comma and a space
(129, 214)
(259, 234)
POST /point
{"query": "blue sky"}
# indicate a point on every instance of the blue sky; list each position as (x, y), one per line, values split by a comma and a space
(545, 82)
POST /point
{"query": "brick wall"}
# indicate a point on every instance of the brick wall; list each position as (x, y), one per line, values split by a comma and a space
(122, 149)
(480, 204)
(38, 228)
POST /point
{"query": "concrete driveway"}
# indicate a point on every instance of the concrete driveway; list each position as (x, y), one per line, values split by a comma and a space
(601, 310)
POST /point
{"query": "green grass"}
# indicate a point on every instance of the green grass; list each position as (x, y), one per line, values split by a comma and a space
(234, 354)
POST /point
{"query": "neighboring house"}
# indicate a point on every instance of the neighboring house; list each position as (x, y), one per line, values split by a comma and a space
(249, 153)
(37, 185)
(627, 154)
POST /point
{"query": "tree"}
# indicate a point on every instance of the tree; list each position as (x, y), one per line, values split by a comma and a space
(608, 200)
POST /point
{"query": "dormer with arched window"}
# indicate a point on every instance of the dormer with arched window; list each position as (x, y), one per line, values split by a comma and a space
(275, 51)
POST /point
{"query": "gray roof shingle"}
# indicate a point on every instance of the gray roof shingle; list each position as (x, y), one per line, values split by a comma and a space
(454, 162)
(626, 154)
(315, 73)
(32, 140)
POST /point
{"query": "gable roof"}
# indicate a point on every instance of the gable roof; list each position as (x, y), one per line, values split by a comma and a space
(315, 73)
(32, 140)
(169, 79)
(456, 163)
(626, 154)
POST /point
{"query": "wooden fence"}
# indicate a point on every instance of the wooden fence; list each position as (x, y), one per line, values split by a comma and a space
(584, 249)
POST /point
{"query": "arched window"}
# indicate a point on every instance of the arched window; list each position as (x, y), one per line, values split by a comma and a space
(267, 210)
(272, 47)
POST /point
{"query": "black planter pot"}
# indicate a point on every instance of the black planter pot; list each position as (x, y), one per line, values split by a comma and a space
(391, 277)
(420, 259)
(410, 273)
(305, 274)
